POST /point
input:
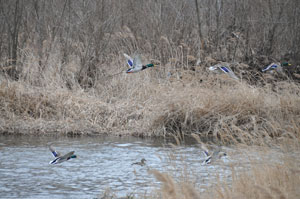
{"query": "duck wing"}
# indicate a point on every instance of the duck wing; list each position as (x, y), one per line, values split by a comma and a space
(228, 71)
(205, 150)
(212, 68)
(207, 160)
(137, 63)
(129, 60)
(55, 153)
(273, 65)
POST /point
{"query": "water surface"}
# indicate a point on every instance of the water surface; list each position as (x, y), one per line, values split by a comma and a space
(102, 163)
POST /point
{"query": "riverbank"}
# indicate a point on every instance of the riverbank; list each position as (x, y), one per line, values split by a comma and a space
(160, 101)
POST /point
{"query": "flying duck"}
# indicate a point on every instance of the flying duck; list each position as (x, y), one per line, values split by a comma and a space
(217, 154)
(276, 66)
(135, 65)
(219, 67)
(61, 158)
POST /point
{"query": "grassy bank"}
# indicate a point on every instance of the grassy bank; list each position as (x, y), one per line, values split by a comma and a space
(160, 101)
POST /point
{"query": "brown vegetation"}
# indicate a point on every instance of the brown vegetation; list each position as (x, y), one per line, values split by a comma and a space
(146, 104)
(59, 62)
(263, 180)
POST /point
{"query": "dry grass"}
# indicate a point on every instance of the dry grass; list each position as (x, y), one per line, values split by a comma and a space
(262, 181)
(262, 178)
(239, 113)
(154, 103)
(173, 190)
(177, 97)
(149, 103)
(256, 172)
(67, 84)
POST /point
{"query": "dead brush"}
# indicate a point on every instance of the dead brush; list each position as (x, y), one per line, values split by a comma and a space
(21, 103)
(153, 102)
(172, 190)
(240, 114)
(29, 110)
(280, 180)
(262, 177)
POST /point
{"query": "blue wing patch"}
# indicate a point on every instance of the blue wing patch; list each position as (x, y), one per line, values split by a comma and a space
(206, 153)
(54, 153)
(274, 66)
(225, 69)
(130, 63)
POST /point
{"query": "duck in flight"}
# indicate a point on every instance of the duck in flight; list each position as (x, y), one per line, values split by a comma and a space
(219, 67)
(61, 158)
(135, 64)
(211, 156)
(276, 66)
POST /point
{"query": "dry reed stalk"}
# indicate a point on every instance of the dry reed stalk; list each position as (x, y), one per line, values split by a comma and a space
(173, 190)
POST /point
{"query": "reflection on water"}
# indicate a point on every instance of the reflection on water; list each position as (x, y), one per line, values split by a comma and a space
(101, 163)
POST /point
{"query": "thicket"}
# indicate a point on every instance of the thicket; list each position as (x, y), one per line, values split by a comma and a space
(96, 31)
(58, 60)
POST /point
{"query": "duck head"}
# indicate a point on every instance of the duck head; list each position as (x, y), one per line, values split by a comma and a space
(222, 154)
(286, 64)
(150, 65)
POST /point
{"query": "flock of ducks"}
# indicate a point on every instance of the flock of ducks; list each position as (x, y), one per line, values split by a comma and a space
(209, 156)
(135, 65)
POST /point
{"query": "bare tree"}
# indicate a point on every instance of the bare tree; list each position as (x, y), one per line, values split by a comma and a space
(13, 17)
(96, 29)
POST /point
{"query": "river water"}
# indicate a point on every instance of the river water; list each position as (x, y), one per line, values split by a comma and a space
(102, 163)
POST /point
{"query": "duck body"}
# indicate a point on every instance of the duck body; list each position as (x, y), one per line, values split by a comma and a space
(135, 70)
(135, 65)
(59, 158)
(276, 66)
(214, 156)
(209, 157)
(271, 66)
(141, 163)
(219, 67)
